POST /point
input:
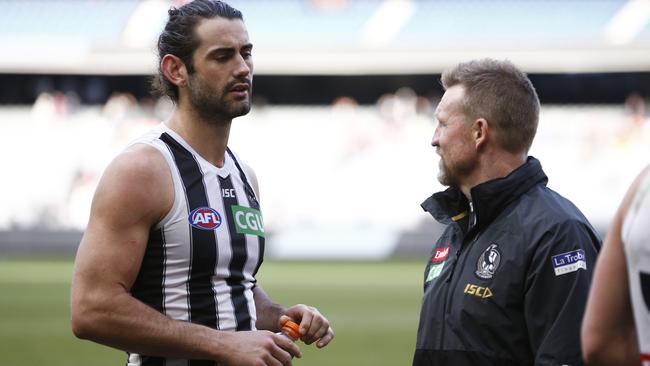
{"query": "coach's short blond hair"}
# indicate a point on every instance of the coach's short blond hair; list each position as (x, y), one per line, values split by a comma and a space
(502, 94)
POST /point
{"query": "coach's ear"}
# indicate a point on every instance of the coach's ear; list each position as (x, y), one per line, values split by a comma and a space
(480, 130)
(174, 70)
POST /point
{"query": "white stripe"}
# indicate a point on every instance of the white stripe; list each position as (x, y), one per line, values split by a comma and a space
(227, 319)
(177, 252)
(224, 254)
(134, 360)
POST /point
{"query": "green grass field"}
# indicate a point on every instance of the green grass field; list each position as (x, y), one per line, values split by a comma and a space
(373, 308)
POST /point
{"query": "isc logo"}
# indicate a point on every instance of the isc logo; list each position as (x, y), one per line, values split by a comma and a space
(205, 218)
(228, 193)
(482, 292)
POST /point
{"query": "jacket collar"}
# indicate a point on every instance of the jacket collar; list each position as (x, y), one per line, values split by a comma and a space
(489, 198)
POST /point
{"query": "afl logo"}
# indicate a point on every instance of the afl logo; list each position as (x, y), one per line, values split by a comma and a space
(205, 218)
(488, 262)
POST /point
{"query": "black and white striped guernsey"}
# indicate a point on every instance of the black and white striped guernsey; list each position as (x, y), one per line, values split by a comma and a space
(201, 259)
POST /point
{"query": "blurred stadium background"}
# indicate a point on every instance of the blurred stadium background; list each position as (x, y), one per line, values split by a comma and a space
(339, 134)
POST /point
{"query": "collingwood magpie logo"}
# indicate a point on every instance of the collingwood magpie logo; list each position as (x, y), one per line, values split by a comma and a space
(488, 262)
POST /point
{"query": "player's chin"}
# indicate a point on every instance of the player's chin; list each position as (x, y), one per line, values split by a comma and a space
(240, 108)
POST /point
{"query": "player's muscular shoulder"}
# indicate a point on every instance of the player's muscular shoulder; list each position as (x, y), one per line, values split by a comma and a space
(139, 181)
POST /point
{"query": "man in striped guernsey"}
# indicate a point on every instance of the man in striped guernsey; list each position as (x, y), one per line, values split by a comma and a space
(616, 326)
(166, 268)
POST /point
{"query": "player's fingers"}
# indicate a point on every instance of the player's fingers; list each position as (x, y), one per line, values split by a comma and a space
(272, 361)
(322, 329)
(279, 357)
(317, 328)
(326, 339)
(305, 323)
(283, 319)
(286, 349)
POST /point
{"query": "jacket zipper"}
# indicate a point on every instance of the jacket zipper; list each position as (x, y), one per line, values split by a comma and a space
(452, 283)
(449, 288)
(444, 311)
(446, 305)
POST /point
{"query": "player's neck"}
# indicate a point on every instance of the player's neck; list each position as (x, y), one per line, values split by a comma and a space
(208, 138)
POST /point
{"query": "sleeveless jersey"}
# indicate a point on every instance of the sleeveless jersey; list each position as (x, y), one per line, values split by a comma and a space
(636, 240)
(201, 259)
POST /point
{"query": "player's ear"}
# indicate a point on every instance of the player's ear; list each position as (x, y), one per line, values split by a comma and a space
(174, 70)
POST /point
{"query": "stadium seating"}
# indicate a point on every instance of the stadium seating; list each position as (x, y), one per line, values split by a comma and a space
(349, 176)
(372, 36)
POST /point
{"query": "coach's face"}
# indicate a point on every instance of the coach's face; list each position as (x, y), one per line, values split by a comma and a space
(221, 84)
(453, 139)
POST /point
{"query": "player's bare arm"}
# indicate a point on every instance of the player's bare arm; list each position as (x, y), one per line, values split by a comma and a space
(608, 332)
(268, 312)
(135, 193)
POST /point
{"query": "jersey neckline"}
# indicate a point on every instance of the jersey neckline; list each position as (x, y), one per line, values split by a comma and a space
(227, 163)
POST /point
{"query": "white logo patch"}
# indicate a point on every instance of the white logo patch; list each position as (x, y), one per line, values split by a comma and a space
(569, 262)
(488, 262)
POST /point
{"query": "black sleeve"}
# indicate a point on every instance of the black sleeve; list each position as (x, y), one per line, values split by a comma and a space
(557, 286)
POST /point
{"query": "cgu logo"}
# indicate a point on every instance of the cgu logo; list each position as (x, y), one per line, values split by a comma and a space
(205, 218)
(248, 220)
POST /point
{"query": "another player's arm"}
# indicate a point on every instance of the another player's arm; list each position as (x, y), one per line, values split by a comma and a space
(608, 332)
(135, 192)
(313, 325)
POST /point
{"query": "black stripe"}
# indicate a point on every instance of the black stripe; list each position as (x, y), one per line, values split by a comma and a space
(239, 256)
(152, 361)
(149, 361)
(203, 242)
(260, 257)
(644, 279)
(252, 202)
(148, 286)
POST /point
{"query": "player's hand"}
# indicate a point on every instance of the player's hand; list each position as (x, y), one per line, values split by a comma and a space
(314, 327)
(260, 348)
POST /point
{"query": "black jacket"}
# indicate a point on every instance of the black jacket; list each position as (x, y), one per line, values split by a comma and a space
(507, 282)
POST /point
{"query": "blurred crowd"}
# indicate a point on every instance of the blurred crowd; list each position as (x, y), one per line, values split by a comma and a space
(340, 165)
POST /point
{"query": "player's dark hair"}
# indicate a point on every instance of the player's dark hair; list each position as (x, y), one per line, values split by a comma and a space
(502, 94)
(179, 38)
